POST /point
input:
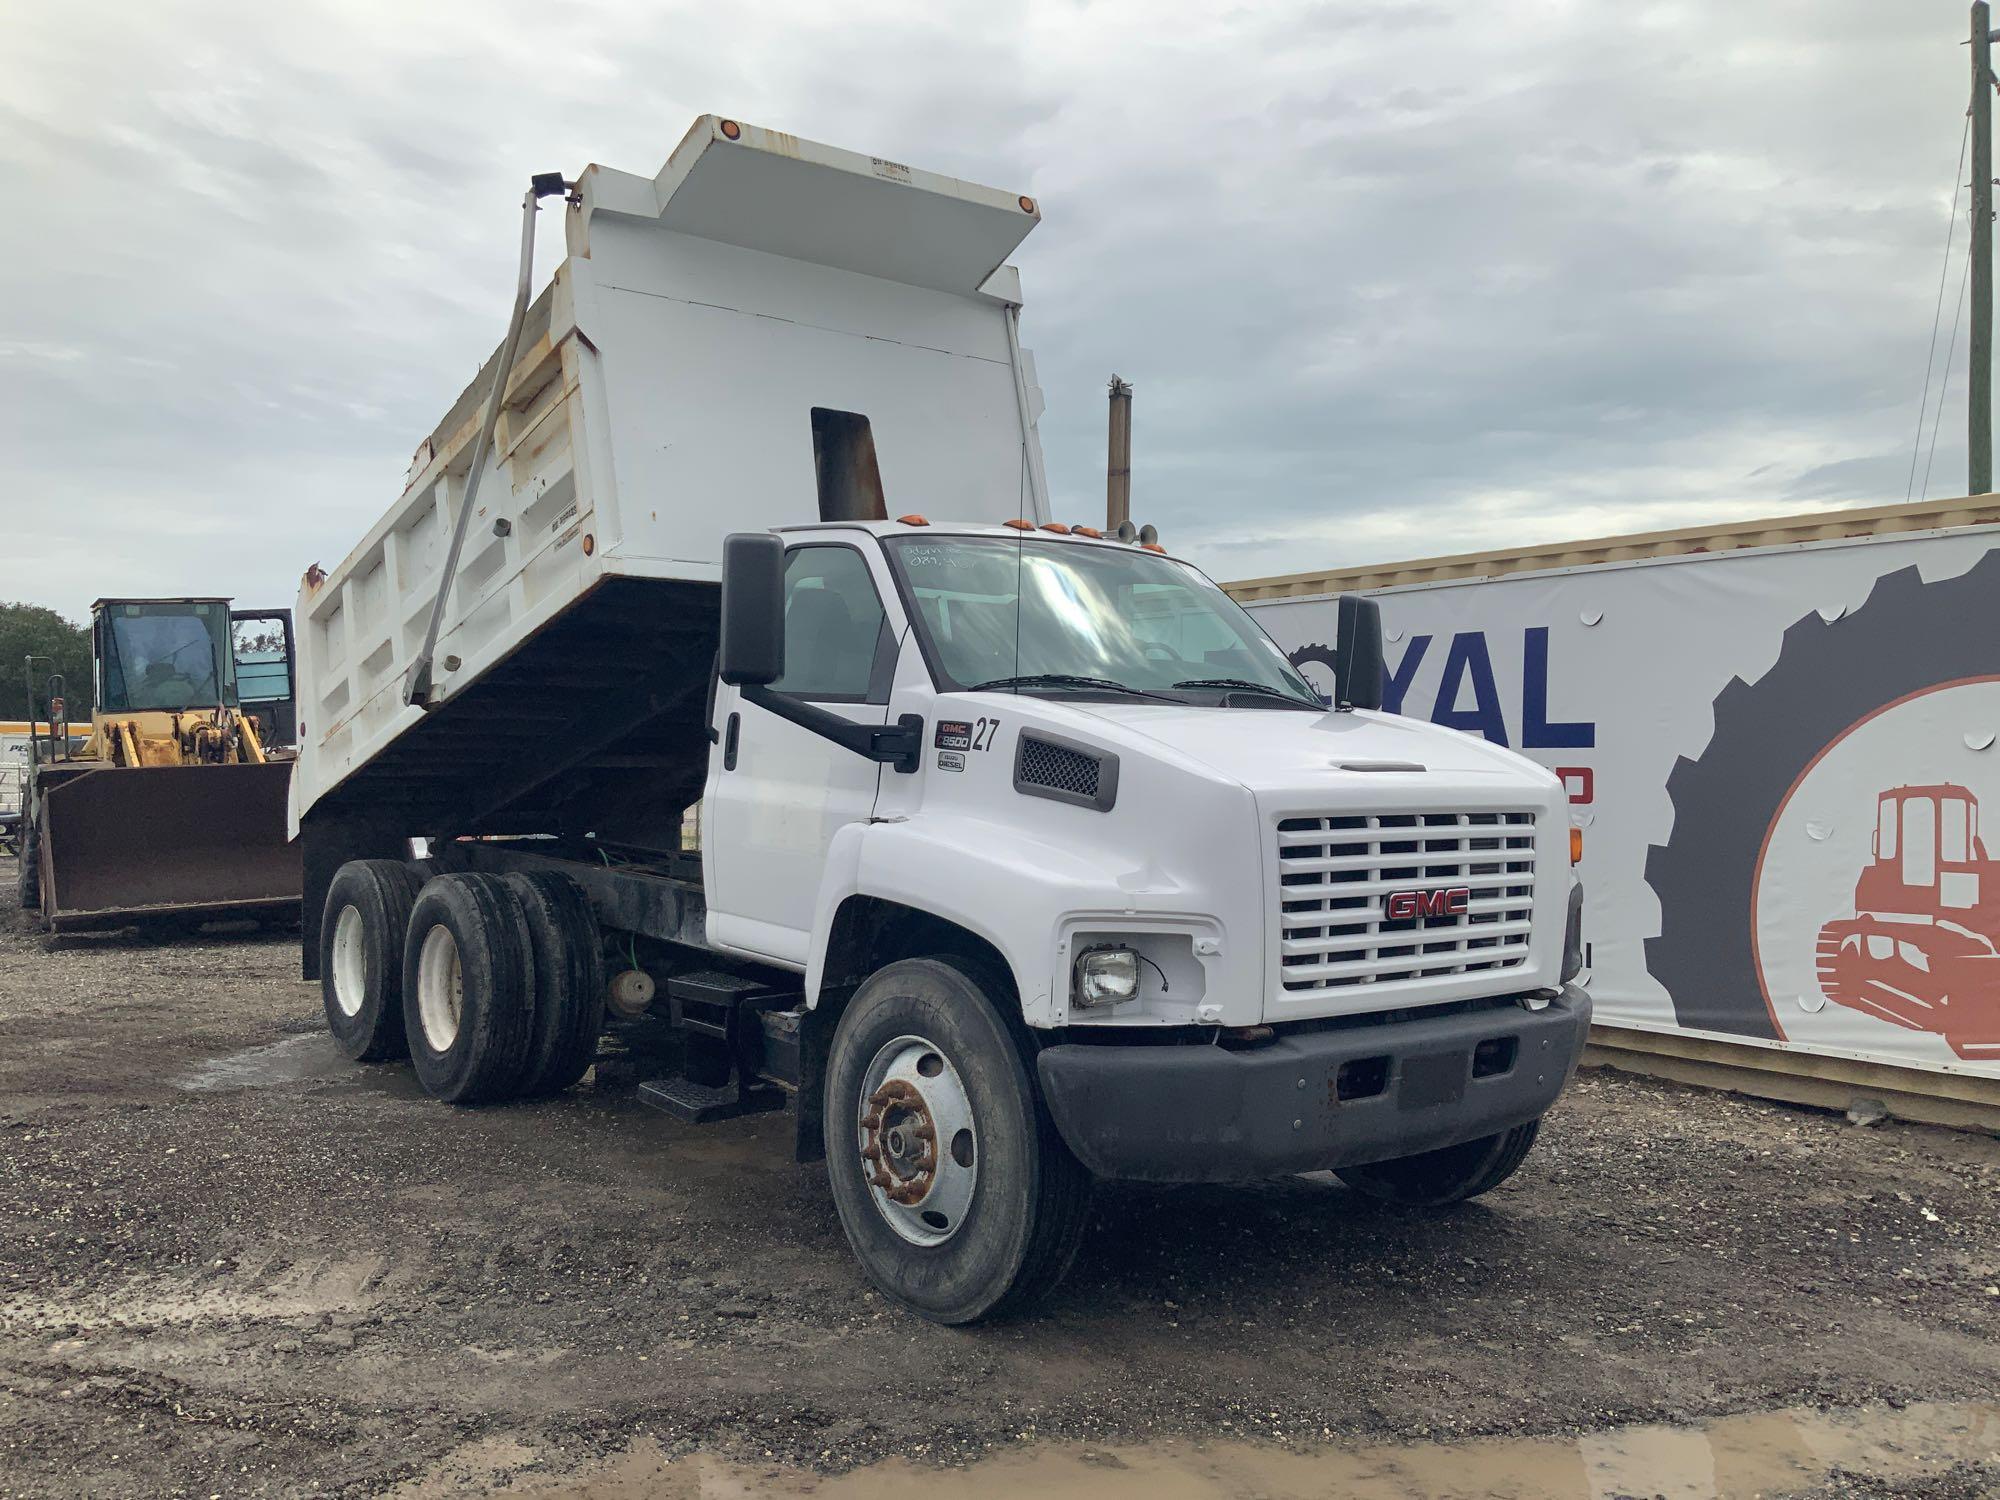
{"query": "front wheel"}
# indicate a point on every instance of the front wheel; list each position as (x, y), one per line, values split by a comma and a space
(960, 1199)
(1450, 1174)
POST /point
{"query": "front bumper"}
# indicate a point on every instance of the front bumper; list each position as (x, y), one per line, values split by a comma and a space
(1213, 1114)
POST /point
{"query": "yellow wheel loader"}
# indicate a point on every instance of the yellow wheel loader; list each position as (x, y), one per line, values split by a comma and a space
(171, 804)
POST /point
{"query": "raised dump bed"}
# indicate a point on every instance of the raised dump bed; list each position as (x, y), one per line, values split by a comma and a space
(768, 332)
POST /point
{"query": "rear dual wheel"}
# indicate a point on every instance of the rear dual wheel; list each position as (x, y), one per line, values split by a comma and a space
(469, 989)
(492, 986)
(361, 956)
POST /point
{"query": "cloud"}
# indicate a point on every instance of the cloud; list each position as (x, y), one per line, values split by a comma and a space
(1390, 280)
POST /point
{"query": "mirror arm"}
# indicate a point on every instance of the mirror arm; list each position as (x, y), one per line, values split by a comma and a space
(897, 745)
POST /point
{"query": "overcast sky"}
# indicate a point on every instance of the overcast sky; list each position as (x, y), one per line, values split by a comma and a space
(1392, 279)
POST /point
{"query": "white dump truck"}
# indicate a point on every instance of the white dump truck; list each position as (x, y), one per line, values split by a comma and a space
(1025, 857)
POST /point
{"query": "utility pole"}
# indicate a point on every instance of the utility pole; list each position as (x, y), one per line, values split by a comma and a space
(1118, 465)
(1979, 395)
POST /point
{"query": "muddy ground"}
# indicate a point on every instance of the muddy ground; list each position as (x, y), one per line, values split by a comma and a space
(232, 1263)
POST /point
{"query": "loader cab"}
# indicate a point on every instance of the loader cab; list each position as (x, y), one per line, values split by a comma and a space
(1927, 852)
(162, 655)
(182, 655)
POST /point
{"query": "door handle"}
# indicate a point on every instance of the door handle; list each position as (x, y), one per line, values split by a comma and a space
(729, 737)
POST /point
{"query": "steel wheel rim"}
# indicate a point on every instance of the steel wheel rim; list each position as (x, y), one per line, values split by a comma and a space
(440, 988)
(918, 1140)
(350, 961)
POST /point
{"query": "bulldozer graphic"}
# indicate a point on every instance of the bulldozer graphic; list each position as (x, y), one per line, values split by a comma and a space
(1920, 950)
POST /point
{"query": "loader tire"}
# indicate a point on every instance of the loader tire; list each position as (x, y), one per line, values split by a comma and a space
(28, 879)
(361, 957)
(469, 989)
(963, 1250)
(1451, 1174)
(569, 981)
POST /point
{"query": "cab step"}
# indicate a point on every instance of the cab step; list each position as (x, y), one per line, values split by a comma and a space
(701, 1104)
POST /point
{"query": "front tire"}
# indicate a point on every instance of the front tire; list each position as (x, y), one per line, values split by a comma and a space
(361, 957)
(469, 989)
(1450, 1174)
(957, 1194)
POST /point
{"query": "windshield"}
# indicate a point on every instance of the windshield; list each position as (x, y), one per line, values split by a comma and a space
(162, 656)
(991, 610)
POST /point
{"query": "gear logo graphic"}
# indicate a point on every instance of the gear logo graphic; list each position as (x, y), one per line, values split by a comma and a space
(1824, 873)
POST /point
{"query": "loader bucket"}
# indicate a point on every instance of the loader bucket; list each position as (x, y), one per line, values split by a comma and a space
(123, 843)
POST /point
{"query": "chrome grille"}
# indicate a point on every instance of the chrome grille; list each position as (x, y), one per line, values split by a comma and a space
(1337, 873)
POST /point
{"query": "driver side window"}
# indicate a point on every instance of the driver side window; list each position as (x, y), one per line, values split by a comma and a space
(836, 633)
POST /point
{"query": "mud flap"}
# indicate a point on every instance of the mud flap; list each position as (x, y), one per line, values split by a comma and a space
(121, 843)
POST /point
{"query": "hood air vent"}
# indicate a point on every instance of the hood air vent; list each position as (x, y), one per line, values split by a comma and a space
(1047, 765)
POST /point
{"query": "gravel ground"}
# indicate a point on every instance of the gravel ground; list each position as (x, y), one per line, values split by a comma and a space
(232, 1263)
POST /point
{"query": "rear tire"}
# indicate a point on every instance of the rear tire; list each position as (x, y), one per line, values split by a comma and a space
(1016, 1198)
(1450, 1174)
(569, 981)
(361, 957)
(468, 989)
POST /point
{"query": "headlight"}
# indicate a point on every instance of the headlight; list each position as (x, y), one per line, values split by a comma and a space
(1106, 976)
(1573, 935)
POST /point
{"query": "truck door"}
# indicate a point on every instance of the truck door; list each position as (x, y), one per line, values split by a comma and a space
(776, 793)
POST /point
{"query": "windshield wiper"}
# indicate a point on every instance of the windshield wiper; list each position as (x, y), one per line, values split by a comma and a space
(1245, 685)
(1069, 680)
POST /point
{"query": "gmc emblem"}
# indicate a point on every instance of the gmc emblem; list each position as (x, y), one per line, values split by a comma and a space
(1445, 901)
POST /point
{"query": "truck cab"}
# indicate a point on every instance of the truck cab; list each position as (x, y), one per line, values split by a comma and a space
(1025, 856)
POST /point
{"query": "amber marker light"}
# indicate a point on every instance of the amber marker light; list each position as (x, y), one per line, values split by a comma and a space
(1576, 846)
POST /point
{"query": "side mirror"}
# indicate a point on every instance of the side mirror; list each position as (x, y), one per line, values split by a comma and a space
(753, 609)
(1357, 673)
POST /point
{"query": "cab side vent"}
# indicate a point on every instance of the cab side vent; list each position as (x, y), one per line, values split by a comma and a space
(1047, 765)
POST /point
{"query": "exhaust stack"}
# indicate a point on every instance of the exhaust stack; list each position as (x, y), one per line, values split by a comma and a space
(1118, 475)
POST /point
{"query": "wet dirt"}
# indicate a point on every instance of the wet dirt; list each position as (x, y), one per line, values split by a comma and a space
(1770, 1453)
(231, 1263)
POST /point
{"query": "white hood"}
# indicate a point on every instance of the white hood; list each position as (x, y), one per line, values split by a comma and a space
(1271, 750)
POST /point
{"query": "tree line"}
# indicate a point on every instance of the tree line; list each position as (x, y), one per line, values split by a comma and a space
(27, 629)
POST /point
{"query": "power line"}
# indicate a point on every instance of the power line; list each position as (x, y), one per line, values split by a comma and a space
(1944, 385)
(1937, 317)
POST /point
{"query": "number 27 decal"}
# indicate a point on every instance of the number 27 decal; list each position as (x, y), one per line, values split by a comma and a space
(982, 734)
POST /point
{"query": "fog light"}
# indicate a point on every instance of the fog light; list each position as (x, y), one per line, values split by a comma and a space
(1106, 976)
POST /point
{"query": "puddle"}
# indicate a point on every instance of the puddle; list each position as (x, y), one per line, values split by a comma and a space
(296, 1059)
(1734, 1458)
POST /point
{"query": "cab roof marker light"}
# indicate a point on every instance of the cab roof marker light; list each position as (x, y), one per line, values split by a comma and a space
(1089, 531)
(913, 519)
(1019, 525)
(1056, 526)
(1153, 547)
